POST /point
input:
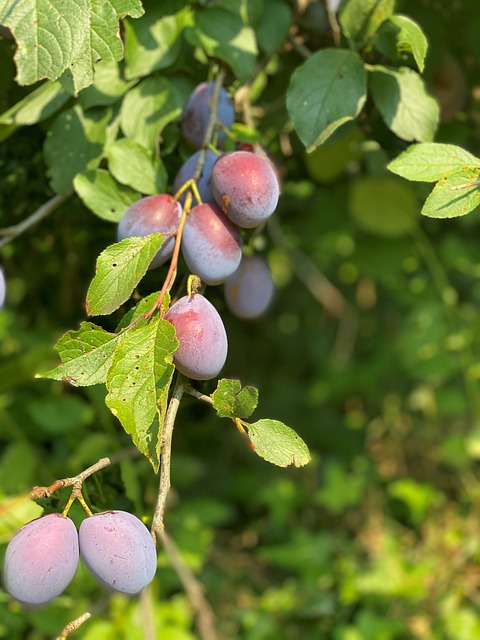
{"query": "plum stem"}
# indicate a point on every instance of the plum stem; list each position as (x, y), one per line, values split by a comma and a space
(74, 625)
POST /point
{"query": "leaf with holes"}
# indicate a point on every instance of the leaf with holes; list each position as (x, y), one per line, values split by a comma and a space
(120, 268)
(86, 356)
(138, 382)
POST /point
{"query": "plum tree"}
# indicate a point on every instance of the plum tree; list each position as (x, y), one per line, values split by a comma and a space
(204, 182)
(160, 213)
(196, 114)
(211, 244)
(118, 550)
(245, 187)
(41, 559)
(201, 335)
(249, 291)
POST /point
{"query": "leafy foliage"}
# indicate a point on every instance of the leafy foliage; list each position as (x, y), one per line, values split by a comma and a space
(369, 350)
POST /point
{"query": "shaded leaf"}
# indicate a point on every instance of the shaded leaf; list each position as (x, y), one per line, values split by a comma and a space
(400, 34)
(103, 195)
(406, 107)
(327, 90)
(232, 401)
(135, 166)
(360, 19)
(223, 35)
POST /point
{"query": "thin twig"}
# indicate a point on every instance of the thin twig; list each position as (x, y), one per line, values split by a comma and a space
(74, 625)
(166, 456)
(193, 588)
(10, 233)
(198, 394)
(46, 492)
(299, 47)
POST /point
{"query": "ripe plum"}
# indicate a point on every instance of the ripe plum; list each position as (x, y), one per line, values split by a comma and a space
(249, 291)
(118, 550)
(211, 244)
(152, 214)
(41, 559)
(201, 335)
(245, 187)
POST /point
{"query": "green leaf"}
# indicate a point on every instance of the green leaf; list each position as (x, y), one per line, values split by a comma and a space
(37, 105)
(274, 26)
(119, 269)
(154, 41)
(232, 401)
(138, 382)
(148, 108)
(450, 198)
(406, 107)
(103, 195)
(223, 35)
(384, 206)
(360, 19)
(400, 34)
(276, 443)
(86, 355)
(133, 165)
(141, 308)
(75, 143)
(430, 161)
(107, 88)
(327, 90)
(57, 36)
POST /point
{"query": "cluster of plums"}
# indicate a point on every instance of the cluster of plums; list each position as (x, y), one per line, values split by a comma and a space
(42, 558)
(239, 190)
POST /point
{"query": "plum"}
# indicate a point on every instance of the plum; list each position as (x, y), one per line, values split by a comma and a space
(41, 559)
(211, 244)
(187, 170)
(197, 114)
(246, 188)
(152, 214)
(118, 550)
(201, 335)
(249, 291)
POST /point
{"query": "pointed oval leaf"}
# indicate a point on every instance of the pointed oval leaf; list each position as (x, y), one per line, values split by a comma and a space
(276, 443)
(120, 268)
(402, 99)
(138, 383)
(430, 161)
(327, 90)
(86, 355)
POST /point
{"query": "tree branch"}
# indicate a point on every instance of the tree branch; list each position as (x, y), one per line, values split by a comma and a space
(10, 233)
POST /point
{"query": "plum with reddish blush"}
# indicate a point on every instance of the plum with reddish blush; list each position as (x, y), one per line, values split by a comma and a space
(152, 214)
(201, 335)
(246, 188)
(211, 244)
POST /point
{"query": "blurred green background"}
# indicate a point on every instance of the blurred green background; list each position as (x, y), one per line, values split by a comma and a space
(370, 352)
